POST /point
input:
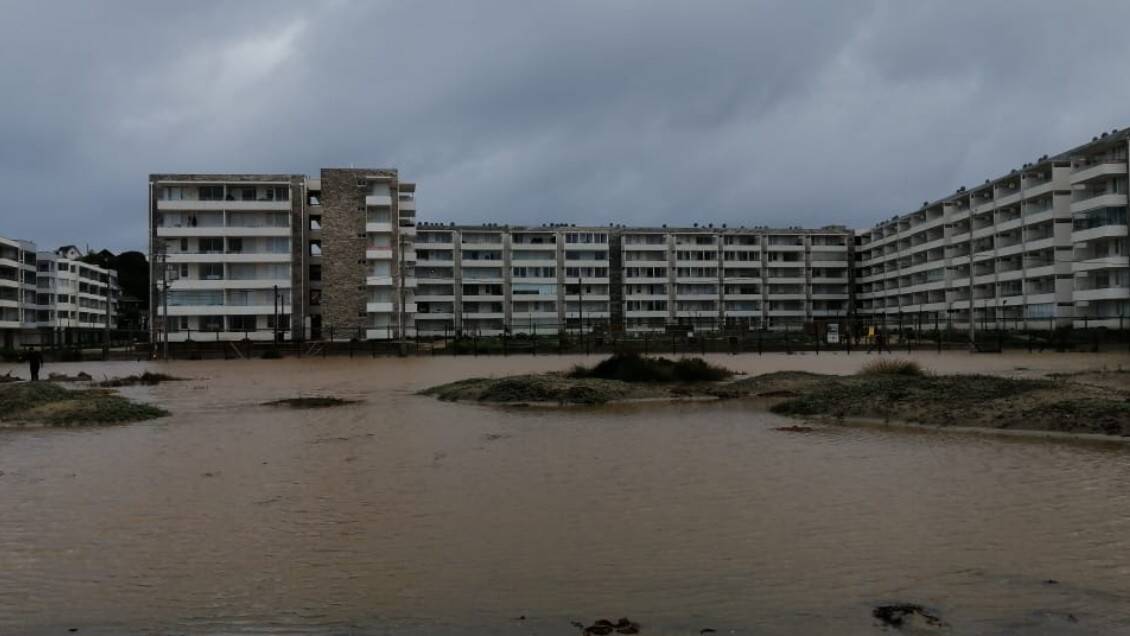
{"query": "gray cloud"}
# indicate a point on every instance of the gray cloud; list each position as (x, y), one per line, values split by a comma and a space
(770, 112)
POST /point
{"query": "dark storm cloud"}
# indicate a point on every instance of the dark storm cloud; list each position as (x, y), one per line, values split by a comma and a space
(777, 113)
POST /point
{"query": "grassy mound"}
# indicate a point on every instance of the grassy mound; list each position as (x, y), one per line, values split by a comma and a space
(52, 405)
(547, 388)
(966, 400)
(145, 379)
(892, 366)
(888, 395)
(315, 402)
(632, 367)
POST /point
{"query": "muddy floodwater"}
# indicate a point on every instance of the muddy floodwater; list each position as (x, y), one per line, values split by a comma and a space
(403, 514)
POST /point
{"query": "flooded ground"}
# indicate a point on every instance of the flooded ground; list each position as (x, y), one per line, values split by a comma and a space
(403, 514)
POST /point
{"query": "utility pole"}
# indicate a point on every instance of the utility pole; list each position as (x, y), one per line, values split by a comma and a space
(163, 289)
(400, 318)
(276, 324)
(581, 304)
(106, 333)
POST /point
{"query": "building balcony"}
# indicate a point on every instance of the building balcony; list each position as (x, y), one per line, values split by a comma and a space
(187, 284)
(224, 310)
(1009, 250)
(1039, 189)
(1010, 224)
(1040, 271)
(1097, 171)
(547, 247)
(1043, 216)
(1008, 199)
(378, 307)
(1103, 293)
(220, 257)
(378, 228)
(224, 230)
(1039, 244)
(1100, 232)
(649, 313)
(1110, 200)
(378, 200)
(379, 254)
(217, 206)
(831, 264)
(1106, 262)
(1040, 299)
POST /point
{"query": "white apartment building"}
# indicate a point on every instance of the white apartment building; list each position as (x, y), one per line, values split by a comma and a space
(487, 279)
(75, 300)
(1044, 244)
(47, 299)
(226, 244)
(343, 256)
(17, 291)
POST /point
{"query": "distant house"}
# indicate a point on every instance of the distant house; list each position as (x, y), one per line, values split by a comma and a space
(69, 252)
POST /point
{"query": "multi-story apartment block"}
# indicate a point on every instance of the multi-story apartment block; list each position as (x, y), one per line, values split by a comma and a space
(1046, 242)
(17, 291)
(75, 300)
(48, 299)
(231, 250)
(342, 256)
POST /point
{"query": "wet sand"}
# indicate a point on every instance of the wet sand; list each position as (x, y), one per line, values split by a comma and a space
(405, 514)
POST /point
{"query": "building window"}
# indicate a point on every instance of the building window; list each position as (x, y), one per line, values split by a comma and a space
(212, 193)
(241, 323)
(211, 271)
(315, 272)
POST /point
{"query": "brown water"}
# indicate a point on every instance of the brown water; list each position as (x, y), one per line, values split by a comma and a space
(403, 514)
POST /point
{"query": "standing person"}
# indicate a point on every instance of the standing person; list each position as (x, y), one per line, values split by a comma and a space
(34, 361)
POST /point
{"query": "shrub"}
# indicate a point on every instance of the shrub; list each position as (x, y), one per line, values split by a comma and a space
(632, 367)
(892, 366)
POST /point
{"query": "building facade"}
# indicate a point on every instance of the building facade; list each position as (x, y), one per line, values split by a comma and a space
(1045, 244)
(50, 300)
(342, 256)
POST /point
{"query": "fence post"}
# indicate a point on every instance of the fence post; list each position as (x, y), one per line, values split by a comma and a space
(788, 343)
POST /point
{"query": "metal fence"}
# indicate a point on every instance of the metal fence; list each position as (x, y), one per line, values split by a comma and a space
(859, 334)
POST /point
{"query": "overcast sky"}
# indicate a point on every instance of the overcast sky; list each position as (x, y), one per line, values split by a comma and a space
(641, 112)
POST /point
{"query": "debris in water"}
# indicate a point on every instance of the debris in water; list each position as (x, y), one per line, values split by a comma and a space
(900, 614)
(314, 402)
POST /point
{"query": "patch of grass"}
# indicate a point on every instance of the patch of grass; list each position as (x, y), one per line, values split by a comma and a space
(892, 366)
(521, 389)
(147, 379)
(53, 405)
(313, 402)
(884, 395)
(632, 367)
